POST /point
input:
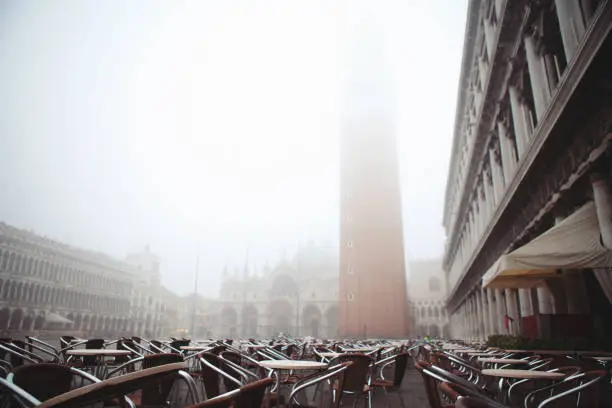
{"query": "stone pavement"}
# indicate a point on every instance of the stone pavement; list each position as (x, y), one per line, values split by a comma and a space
(412, 391)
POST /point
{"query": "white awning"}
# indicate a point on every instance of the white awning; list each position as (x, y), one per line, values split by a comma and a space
(573, 243)
(55, 318)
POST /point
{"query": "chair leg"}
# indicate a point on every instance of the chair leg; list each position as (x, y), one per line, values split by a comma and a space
(370, 399)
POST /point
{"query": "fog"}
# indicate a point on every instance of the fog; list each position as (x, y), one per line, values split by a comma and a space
(211, 127)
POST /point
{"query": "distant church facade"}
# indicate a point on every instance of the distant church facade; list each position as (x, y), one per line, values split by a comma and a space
(298, 297)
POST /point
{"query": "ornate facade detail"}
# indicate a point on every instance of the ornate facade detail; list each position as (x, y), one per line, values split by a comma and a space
(542, 119)
(298, 297)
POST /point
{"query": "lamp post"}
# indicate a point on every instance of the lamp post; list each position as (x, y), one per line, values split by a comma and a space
(195, 296)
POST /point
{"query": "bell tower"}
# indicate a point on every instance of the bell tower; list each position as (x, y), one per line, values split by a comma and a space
(373, 293)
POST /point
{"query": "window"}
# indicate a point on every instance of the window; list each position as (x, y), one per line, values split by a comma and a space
(434, 284)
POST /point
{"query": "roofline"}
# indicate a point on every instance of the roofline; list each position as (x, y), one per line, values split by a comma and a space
(466, 64)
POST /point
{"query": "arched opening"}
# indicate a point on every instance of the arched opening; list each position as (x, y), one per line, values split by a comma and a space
(28, 321)
(331, 316)
(5, 314)
(446, 331)
(77, 322)
(16, 319)
(284, 286)
(71, 318)
(85, 325)
(39, 322)
(250, 317)
(229, 320)
(281, 317)
(311, 320)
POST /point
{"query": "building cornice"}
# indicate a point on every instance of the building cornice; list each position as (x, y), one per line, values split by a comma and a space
(511, 25)
(467, 60)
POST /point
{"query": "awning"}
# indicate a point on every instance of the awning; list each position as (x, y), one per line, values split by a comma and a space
(573, 243)
(55, 318)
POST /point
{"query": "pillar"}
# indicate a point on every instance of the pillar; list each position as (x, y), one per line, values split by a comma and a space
(513, 311)
(497, 176)
(506, 147)
(473, 318)
(521, 129)
(526, 302)
(490, 197)
(484, 303)
(479, 315)
(492, 312)
(500, 303)
(545, 300)
(575, 292)
(571, 24)
(489, 33)
(537, 74)
(483, 71)
(602, 195)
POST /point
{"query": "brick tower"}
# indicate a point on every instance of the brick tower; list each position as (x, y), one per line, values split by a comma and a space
(373, 294)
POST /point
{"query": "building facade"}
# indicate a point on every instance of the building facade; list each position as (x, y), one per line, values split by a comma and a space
(532, 132)
(297, 296)
(48, 286)
(427, 292)
(373, 294)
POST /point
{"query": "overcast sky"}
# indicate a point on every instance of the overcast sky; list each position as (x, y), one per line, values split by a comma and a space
(211, 126)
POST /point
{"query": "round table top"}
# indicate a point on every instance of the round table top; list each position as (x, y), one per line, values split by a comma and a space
(98, 352)
(600, 358)
(525, 374)
(194, 348)
(482, 354)
(292, 364)
(501, 360)
(328, 354)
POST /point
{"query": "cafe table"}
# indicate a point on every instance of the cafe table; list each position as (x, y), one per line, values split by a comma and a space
(99, 354)
(507, 373)
(289, 365)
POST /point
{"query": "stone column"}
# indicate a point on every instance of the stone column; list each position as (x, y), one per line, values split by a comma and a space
(489, 33)
(545, 300)
(492, 312)
(571, 24)
(506, 147)
(513, 311)
(537, 74)
(500, 302)
(526, 303)
(485, 313)
(489, 195)
(575, 292)
(483, 71)
(479, 315)
(602, 195)
(521, 129)
(466, 318)
(473, 317)
(497, 175)
(499, 4)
